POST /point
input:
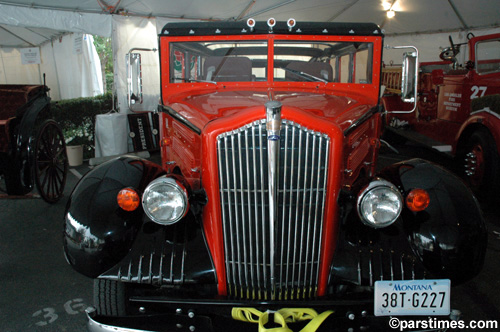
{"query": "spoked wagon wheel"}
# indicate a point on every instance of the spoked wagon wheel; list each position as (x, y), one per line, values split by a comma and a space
(50, 162)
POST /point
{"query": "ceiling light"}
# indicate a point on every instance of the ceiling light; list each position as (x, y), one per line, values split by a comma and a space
(391, 13)
(386, 5)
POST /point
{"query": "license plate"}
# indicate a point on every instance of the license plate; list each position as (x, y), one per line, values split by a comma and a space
(412, 297)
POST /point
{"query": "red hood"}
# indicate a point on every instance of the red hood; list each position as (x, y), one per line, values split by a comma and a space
(207, 105)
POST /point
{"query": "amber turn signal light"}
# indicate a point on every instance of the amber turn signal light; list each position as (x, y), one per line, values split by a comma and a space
(418, 200)
(128, 199)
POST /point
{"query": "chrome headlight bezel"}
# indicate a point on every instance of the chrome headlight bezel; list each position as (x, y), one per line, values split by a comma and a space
(382, 193)
(163, 186)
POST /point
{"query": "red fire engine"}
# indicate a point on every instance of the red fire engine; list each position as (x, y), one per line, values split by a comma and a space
(458, 109)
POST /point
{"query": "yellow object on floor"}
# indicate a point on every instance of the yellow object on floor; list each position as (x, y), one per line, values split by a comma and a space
(282, 317)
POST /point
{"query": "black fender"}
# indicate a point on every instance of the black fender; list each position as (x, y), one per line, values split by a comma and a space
(449, 236)
(97, 232)
(446, 240)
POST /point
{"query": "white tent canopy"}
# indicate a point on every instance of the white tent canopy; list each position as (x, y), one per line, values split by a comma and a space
(65, 52)
(422, 16)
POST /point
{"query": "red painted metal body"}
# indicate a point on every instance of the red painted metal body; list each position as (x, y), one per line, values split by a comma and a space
(445, 112)
(328, 108)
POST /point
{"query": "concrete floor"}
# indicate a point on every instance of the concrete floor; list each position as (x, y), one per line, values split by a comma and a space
(39, 291)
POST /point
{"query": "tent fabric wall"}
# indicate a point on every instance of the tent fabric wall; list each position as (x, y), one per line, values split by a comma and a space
(72, 74)
(69, 74)
(12, 71)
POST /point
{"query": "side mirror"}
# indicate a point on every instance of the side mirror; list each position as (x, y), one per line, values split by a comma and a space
(134, 79)
(409, 77)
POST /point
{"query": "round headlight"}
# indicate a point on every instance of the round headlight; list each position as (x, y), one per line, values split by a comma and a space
(379, 204)
(165, 201)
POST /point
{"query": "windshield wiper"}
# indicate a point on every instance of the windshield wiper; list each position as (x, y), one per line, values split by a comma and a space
(310, 77)
(194, 80)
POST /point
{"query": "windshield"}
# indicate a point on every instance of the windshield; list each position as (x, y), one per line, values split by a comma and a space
(340, 62)
(294, 61)
(488, 56)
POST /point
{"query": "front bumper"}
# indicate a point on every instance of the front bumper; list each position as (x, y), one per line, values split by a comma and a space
(213, 317)
(146, 323)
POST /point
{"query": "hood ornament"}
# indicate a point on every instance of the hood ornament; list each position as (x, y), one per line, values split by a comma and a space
(273, 117)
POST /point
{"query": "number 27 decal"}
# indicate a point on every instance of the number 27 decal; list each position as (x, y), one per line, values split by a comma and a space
(478, 91)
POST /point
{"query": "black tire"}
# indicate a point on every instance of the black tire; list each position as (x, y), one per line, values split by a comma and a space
(13, 183)
(480, 163)
(110, 297)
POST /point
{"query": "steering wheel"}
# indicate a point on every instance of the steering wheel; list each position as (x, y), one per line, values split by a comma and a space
(447, 54)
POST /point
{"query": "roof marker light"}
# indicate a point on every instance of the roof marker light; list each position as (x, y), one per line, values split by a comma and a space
(291, 23)
(251, 23)
(271, 23)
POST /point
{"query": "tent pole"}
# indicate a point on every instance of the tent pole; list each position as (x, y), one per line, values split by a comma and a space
(40, 75)
(342, 11)
(3, 67)
(18, 37)
(55, 68)
(458, 14)
(270, 8)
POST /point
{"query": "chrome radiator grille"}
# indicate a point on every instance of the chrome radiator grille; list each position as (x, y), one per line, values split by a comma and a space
(278, 261)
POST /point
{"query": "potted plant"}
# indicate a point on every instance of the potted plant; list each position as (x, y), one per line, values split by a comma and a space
(76, 139)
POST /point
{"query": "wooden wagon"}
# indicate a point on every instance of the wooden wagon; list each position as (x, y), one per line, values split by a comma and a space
(32, 148)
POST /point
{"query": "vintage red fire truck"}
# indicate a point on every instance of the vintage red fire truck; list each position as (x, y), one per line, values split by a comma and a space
(458, 110)
(268, 197)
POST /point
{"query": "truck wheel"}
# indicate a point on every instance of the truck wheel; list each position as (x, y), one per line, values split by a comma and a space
(481, 163)
(109, 297)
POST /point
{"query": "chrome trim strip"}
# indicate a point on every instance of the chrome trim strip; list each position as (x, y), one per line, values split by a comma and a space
(321, 219)
(263, 220)
(243, 219)
(231, 258)
(252, 261)
(95, 326)
(311, 190)
(290, 209)
(224, 219)
(256, 201)
(486, 110)
(177, 116)
(283, 220)
(304, 221)
(236, 215)
(365, 117)
(299, 173)
(273, 117)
